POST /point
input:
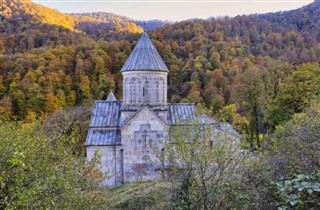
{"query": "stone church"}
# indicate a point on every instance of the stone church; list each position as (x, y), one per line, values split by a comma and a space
(125, 133)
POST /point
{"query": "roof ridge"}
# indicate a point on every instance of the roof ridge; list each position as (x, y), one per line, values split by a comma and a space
(138, 111)
(105, 101)
(191, 103)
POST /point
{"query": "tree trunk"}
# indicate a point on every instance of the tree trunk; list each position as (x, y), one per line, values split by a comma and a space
(256, 119)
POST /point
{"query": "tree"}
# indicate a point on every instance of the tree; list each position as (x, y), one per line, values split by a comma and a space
(194, 94)
(296, 144)
(295, 94)
(84, 87)
(70, 124)
(251, 95)
(201, 161)
(240, 123)
(39, 172)
(292, 151)
(5, 108)
(2, 87)
(215, 60)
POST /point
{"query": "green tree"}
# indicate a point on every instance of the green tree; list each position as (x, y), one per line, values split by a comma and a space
(2, 87)
(296, 143)
(39, 172)
(71, 124)
(295, 94)
(293, 149)
(240, 123)
(215, 60)
(251, 95)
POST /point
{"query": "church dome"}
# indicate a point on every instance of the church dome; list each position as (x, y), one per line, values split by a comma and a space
(144, 76)
(144, 57)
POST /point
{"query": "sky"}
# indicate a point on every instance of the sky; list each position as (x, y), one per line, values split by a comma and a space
(174, 10)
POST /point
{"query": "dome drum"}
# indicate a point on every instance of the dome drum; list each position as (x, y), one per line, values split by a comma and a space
(145, 87)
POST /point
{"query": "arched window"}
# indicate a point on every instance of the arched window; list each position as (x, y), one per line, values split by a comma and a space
(132, 90)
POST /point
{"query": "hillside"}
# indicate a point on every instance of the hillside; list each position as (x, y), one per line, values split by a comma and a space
(212, 62)
(51, 60)
(105, 25)
(151, 25)
(260, 73)
(61, 53)
(26, 25)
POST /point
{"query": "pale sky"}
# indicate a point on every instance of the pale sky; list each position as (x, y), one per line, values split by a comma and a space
(173, 10)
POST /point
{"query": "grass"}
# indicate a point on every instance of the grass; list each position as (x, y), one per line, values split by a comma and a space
(149, 195)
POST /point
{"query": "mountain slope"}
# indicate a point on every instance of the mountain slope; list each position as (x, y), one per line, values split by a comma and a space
(212, 61)
(105, 25)
(27, 11)
(25, 25)
(76, 58)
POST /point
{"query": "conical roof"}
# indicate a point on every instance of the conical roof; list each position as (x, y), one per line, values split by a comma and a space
(144, 57)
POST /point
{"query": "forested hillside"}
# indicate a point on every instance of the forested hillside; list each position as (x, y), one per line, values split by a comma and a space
(26, 25)
(261, 73)
(268, 65)
(252, 71)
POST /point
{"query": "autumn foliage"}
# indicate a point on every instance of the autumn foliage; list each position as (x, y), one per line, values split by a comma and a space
(50, 60)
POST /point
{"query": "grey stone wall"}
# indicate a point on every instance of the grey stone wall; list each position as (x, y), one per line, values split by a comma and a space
(142, 140)
(107, 164)
(145, 87)
(137, 158)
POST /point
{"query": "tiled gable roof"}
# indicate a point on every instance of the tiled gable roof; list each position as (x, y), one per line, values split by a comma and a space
(181, 113)
(106, 114)
(185, 114)
(105, 120)
(103, 137)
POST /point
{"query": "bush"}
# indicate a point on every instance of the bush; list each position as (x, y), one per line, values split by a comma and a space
(39, 172)
(299, 192)
(293, 149)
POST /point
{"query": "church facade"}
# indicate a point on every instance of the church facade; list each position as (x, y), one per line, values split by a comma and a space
(128, 134)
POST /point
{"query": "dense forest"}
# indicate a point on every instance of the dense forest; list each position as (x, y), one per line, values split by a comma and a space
(257, 72)
(51, 60)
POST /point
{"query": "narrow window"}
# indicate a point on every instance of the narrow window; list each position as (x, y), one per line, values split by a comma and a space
(145, 142)
(162, 157)
(144, 135)
(121, 167)
(143, 92)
